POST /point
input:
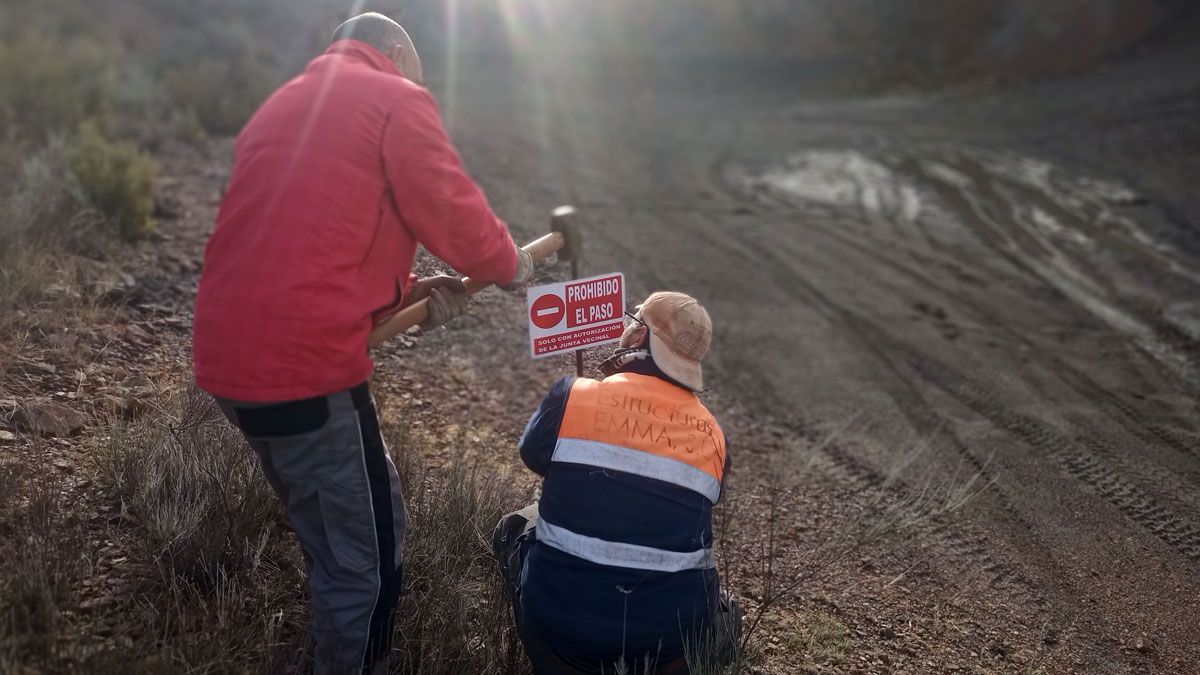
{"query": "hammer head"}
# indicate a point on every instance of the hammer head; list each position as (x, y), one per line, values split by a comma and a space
(563, 219)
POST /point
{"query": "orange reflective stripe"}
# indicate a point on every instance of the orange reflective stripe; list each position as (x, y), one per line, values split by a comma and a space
(645, 413)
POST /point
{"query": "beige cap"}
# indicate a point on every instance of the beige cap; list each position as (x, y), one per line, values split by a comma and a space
(680, 333)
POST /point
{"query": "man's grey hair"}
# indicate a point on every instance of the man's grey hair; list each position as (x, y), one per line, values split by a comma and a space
(374, 29)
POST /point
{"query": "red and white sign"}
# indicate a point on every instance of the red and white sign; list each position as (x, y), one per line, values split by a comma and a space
(572, 315)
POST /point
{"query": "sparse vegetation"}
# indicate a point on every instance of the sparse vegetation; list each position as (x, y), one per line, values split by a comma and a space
(187, 561)
(39, 575)
(64, 179)
(87, 89)
(825, 638)
(49, 86)
(453, 616)
(39, 212)
(220, 95)
(200, 568)
(117, 179)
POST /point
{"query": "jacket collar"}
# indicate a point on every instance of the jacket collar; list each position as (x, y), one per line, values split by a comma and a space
(641, 363)
(361, 51)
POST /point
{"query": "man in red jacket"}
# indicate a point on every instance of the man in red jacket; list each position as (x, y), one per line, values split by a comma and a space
(337, 178)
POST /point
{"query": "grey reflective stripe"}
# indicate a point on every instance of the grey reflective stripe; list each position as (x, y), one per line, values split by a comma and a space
(618, 458)
(365, 661)
(617, 554)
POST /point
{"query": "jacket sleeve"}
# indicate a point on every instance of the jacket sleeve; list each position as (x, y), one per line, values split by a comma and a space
(541, 434)
(440, 204)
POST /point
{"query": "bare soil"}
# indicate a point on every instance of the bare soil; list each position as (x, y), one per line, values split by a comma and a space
(1006, 279)
(905, 289)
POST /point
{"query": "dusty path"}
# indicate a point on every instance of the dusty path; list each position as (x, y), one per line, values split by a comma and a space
(964, 271)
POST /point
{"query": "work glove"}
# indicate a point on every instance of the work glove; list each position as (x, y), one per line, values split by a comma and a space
(447, 298)
(524, 272)
(443, 306)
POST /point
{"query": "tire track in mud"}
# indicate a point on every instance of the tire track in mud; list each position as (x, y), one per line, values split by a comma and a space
(1076, 380)
(1123, 414)
(1077, 461)
(1080, 463)
(1139, 506)
(969, 554)
(972, 553)
(1182, 493)
(992, 190)
(1027, 201)
(1128, 418)
(1092, 217)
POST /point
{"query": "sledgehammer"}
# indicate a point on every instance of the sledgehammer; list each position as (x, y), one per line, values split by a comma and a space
(564, 239)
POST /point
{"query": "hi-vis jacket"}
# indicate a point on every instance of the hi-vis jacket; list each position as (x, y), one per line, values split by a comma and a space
(622, 554)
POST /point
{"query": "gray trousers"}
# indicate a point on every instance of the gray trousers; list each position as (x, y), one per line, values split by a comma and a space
(326, 459)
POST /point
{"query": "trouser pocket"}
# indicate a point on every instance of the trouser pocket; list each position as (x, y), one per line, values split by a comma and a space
(348, 520)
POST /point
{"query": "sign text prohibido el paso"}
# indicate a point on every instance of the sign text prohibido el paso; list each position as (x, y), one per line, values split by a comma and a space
(573, 315)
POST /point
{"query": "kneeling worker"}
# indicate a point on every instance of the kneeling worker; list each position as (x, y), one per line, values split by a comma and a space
(615, 562)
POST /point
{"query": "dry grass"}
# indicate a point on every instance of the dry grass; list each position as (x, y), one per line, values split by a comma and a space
(454, 617)
(216, 580)
(41, 561)
(74, 196)
(191, 567)
(37, 214)
(178, 559)
(825, 638)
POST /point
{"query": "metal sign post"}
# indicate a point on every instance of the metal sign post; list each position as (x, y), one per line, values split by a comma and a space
(579, 352)
(563, 220)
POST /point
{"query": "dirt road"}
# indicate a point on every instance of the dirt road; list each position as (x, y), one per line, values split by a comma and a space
(957, 353)
(989, 292)
(1005, 281)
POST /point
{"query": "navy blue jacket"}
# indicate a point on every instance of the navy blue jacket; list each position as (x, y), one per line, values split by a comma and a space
(589, 611)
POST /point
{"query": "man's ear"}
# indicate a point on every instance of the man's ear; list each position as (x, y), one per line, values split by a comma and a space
(634, 336)
(396, 54)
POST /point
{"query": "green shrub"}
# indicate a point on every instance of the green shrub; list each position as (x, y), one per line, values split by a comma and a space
(117, 179)
(48, 85)
(222, 94)
(141, 108)
(185, 126)
(40, 212)
(40, 200)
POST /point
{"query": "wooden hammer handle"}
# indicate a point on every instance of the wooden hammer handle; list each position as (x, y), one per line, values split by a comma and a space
(539, 249)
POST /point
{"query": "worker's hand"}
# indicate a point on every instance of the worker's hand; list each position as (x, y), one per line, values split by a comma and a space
(447, 298)
(443, 306)
(524, 272)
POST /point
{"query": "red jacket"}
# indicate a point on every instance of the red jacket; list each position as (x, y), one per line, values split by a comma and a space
(336, 179)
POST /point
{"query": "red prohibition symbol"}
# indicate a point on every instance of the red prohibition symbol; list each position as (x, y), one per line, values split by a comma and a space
(547, 311)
